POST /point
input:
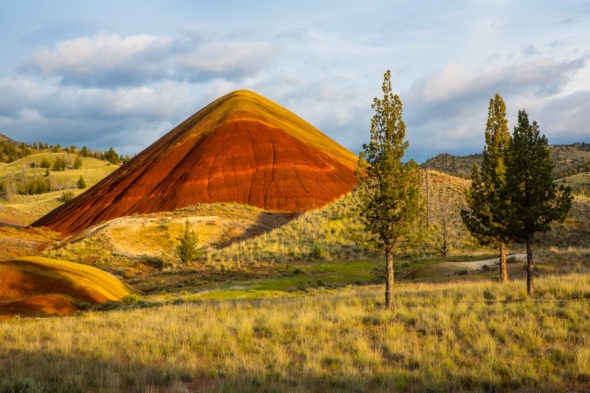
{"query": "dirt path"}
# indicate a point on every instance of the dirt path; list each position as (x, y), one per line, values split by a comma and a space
(478, 265)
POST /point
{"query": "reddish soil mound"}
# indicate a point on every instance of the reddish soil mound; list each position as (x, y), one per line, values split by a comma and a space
(241, 148)
(35, 286)
(42, 305)
(16, 284)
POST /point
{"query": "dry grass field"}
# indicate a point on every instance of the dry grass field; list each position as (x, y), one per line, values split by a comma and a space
(482, 337)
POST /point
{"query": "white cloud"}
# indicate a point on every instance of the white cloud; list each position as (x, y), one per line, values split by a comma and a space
(447, 112)
(226, 59)
(111, 60)
(105, 59)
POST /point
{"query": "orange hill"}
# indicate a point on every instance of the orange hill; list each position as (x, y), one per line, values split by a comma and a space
(35, 286)
(240, 148)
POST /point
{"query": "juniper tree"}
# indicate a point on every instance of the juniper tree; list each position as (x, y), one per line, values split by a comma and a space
(186, 249)
(81, 183)
(485, 216)
(389, 194)
(534, 199)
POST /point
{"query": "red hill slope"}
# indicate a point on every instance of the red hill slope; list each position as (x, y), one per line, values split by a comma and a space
(240, 148)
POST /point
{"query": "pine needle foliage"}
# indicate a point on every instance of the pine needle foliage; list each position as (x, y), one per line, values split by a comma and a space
(390, 198)
(486, 201)
(535, 200)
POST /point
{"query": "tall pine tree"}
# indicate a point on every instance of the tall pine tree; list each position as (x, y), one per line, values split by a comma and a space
(534, 199)
(485, 198)
(390, 197)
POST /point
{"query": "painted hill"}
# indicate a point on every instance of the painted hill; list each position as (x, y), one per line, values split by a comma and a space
(42, 286)
(240, 148)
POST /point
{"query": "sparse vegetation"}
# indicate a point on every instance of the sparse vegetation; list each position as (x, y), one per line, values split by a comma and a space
(569, 160)
(34, 186)
(19, 180)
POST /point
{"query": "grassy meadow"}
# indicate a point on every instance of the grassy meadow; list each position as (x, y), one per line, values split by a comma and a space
(24, 209)
(479, 336)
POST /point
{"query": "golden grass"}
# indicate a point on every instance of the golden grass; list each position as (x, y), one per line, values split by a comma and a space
(473, 337)
(25, 209)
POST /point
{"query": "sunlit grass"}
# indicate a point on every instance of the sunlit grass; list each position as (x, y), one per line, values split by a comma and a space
(441, 337)
(27, 208)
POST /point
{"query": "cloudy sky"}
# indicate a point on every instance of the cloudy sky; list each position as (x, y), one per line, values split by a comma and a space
(123, 73)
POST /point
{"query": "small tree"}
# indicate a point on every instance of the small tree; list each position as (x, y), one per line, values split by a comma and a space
(77, 163)
(534, 199)
(389, 194)
(45, 163)
(81, 183)
(59, 164)
(186, 249)
(485, 198)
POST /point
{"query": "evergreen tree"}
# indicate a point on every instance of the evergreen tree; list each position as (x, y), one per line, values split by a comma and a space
(111, 156)
(59, 164)
(485, 198)
(535, 200)
(77, 163)
(389, 194)
(45, 163)
(186, 249)
(81, 183)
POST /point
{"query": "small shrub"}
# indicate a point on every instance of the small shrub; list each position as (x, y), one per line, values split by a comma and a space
(45, 163)
(77, 163)
(24, 385)
(81, 183)
(59, 164)
(318, 252)
(131, 298)
(186, 249)
(35, 186)
(66, 196)
(488, 295)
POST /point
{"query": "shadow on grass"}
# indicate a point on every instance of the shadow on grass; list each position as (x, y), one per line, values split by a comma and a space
(83, 372)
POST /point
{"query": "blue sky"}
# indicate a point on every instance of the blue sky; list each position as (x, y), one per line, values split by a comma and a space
(123, 73)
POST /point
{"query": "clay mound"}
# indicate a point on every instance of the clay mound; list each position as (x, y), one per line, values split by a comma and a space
(42, 286)
(39, 306)
(241, 148)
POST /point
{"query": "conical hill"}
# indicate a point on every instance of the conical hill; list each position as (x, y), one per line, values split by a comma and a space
(240, 148)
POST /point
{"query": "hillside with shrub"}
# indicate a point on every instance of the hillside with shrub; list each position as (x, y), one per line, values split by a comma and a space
(568, 159)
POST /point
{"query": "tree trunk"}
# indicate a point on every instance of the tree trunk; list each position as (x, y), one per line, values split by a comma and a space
(503, 267)
(389, 280)
(427, 200)
(530, 286)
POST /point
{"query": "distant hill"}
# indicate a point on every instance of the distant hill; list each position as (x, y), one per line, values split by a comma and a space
(241, 148)
(569, 160)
